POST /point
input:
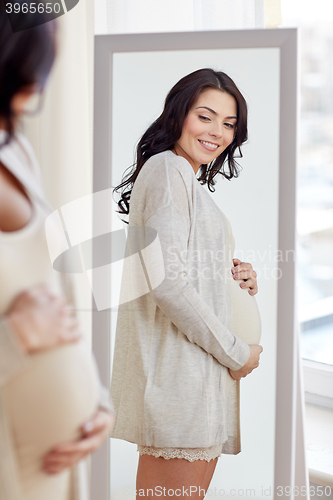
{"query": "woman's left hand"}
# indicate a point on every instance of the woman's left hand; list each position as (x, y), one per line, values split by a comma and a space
(67, 454)
(244, 271)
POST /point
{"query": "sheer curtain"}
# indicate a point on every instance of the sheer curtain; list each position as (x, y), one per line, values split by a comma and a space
(135, 16)
(61, 134)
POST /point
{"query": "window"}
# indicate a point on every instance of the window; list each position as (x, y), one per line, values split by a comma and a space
(315, 193)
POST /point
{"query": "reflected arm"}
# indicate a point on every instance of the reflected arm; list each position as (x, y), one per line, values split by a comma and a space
(168, 214)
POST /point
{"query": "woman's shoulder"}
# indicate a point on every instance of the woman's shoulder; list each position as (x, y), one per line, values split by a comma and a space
(167, 165)
(27, 147)
(19, 151)
(164, 179)
(19, 158)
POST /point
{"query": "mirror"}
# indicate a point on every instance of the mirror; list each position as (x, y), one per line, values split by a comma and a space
(133, 74)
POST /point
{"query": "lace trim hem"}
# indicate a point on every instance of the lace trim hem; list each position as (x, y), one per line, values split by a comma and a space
(190, 454)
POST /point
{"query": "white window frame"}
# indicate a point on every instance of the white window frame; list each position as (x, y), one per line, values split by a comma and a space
(318, 383)
(317, 376)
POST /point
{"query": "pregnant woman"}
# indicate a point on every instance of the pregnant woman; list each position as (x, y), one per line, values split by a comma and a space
(51, 400)
(184, 342)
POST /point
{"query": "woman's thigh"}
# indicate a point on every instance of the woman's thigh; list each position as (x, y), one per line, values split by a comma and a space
(209, 474)
(176, 477)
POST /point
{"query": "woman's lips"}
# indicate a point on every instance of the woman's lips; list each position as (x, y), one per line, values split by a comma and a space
(208, 145)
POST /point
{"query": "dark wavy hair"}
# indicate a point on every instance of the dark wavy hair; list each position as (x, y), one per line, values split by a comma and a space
(26, 57)
(167, 129)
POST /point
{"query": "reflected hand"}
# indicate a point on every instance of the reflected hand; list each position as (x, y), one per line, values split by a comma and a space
(244, 271)
(250, 365)
(67, 454)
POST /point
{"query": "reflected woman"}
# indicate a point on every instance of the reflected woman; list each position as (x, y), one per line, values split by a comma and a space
(183, 345)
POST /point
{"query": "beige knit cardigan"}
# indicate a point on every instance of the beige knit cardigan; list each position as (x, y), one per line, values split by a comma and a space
(173, 342)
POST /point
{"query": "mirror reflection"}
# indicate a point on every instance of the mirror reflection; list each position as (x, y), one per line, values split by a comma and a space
(247, 205)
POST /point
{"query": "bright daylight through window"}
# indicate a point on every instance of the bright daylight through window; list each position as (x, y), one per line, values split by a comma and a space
(315, 176)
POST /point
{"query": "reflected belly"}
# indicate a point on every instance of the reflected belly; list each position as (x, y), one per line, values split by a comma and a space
(246, 322)
(48, 402)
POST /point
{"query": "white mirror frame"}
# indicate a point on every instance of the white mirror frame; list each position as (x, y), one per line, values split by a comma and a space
(286, 362)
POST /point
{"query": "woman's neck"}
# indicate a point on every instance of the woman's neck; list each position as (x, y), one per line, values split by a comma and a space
(2, 124)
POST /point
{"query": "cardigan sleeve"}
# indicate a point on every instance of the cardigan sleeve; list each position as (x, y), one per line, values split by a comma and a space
(176, 296)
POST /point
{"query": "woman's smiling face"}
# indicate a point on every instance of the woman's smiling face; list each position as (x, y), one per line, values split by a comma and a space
(208, 129)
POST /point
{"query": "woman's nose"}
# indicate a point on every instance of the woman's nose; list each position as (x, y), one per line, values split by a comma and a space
(216, 131)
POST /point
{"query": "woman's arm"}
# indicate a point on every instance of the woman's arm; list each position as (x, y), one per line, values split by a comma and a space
(166, 193)
(179, 300)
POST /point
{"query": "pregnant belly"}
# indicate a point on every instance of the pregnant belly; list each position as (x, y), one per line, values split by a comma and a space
(246, 322)
(46, 404)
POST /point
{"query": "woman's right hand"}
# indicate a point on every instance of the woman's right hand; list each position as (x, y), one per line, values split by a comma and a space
(42, 320)
(251, 364)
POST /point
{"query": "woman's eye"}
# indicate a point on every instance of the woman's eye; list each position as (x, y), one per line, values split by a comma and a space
(229, 125)
(204, 118)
